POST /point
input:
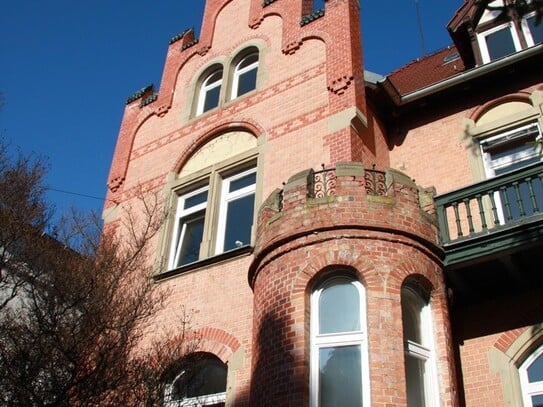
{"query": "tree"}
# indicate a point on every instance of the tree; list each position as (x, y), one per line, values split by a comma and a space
(75, 308)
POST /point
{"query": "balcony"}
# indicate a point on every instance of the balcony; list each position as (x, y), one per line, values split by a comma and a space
(483, 219)
(492, 236)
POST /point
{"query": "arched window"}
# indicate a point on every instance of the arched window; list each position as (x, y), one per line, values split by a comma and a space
(245, 73)
(531, 379)
(210, 90)
(418, 348)
(339, 368)
(200, 381)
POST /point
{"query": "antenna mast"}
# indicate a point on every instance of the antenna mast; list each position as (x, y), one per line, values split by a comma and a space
(421, 33)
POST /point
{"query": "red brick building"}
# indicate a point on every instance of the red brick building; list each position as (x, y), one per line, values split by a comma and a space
(342, 238)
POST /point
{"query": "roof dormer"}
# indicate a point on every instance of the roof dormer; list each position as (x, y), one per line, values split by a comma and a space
(484, 31)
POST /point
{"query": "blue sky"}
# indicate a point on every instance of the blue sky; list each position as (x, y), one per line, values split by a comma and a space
(67, 67)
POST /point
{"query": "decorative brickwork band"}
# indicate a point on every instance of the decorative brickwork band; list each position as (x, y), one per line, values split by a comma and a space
(292, 47)
(340, 85)
(115, 184)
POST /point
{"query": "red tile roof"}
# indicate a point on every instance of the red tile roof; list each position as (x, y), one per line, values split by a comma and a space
(427, 70)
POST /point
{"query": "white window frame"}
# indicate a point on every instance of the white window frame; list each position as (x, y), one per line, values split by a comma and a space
(181, 213)
(424, 351)
(356, 338)
(481, 39)
(240, 71)
(208, 86)
(215, 209)
(526, 29)
(491, 165)
(530, 389)
(225, 198)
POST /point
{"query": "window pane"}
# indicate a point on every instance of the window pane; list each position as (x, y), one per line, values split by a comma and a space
(509, 152)
(239, 220)
(201, 378)
(414, 376)
(213, 78)
(210, 379)
(536, 30)
(318, 5)
(510, 200)
(411, 320)
(537, 401)
(211, 98)
(195, 200)
(247, 180)
(247, 81)
(245, 75)
(340, 376)
(192, 229)
(535, 371)
(513, 159)
(500, 43)
(339, 308)
(248, 61)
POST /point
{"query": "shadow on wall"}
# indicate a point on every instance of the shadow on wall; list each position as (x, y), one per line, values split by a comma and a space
(280, 366)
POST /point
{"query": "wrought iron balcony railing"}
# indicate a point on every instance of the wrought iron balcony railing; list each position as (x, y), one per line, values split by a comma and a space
(323, 182)
(507, 201)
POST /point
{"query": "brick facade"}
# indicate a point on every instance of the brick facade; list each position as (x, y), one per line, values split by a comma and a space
(311, 107)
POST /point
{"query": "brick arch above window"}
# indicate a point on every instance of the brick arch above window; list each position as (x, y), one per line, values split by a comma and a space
(512, 104)
(503, 123)
(519, 343)
(220, 148)
(511, 349)
(216, 341)
(329, 261)
(219, 130)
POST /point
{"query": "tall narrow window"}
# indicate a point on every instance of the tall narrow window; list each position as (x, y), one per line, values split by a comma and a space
(189, 227)
(531, 378)
(210, 90)
(418, 344)
(201, 381)
(236, 211)
(245, 74)
(339, 372)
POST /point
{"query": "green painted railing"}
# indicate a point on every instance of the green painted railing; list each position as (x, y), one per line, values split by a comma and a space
(507, 201)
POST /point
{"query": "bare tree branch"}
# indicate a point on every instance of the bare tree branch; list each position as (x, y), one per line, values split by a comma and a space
(74, 309)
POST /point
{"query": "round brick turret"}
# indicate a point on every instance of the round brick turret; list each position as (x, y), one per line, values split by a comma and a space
(377, 225)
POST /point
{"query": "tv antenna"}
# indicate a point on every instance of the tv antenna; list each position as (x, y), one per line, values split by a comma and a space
(419, 23)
